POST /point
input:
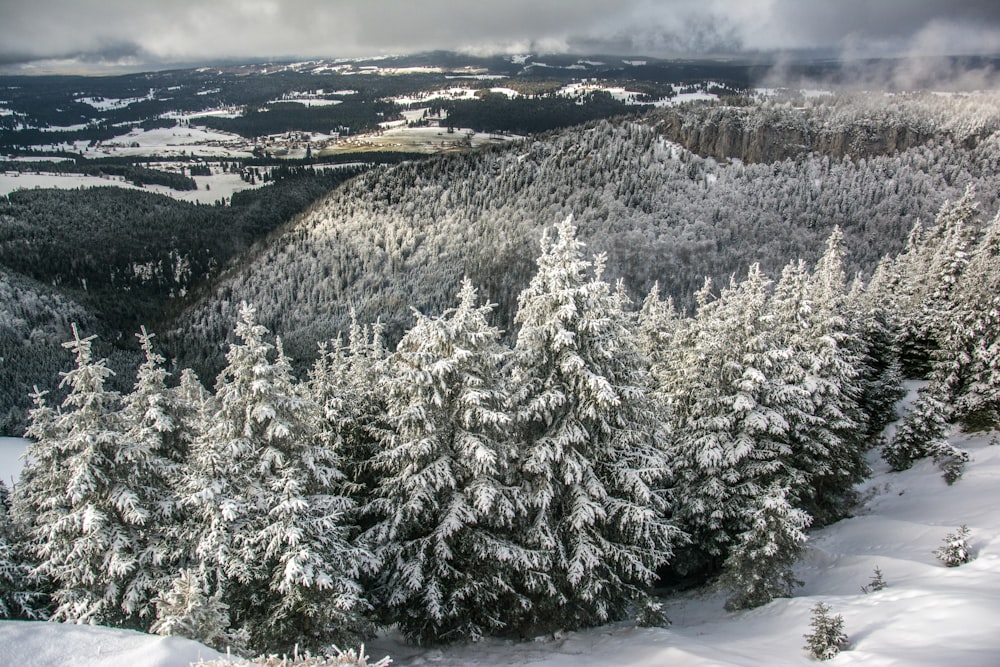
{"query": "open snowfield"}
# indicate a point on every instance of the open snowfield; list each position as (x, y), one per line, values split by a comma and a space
(927, 615)
(210, 188)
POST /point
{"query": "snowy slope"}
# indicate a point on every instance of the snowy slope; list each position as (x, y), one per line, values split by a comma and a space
(27, 644)
(928, 614)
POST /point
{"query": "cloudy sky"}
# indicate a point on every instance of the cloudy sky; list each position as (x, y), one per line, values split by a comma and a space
(37, 35)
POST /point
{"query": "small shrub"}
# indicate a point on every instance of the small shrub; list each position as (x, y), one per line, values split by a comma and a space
(955, 550)
(951, 460)
(876, 584)
(348, 658)
(650, 614)
(827, 638)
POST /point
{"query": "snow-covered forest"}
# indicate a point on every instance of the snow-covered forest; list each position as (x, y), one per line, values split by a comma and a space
(404, 237)
(466, 483)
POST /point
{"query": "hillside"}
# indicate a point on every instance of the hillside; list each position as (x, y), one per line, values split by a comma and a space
(927, 614)
(404, 236)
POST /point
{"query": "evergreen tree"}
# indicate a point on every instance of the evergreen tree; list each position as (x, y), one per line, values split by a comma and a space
(968, 365)
(835, 367)
(730, 408)
(444, 507)
(827, 638)
(20, 597)
(346, 382)
(759, 566)
(922, 435)
(187, 610)
(90, 495)
(266, 517)
(302, 542)
(880, 377)
(590, 449)
(955, 550)
(932, 269)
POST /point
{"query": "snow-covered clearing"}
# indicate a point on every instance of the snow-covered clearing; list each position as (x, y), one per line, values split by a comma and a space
(927, 615)
(210, 188)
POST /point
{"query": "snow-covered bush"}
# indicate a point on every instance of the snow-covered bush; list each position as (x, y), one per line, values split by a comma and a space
(921, 435)
(827, 638)
(189, 611)
(348, 658)
(955, 550)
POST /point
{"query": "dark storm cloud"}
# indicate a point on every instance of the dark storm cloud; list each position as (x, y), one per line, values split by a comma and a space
(188, 30)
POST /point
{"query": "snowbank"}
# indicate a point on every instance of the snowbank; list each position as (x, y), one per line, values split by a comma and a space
(39, 644)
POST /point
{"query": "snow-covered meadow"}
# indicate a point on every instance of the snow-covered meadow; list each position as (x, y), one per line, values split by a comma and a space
(928, 614)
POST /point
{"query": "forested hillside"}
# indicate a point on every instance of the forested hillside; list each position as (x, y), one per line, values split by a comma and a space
(113, 260)
(403, 237)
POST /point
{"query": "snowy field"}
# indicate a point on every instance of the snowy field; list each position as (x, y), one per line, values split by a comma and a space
(927, 615)
(210, 188)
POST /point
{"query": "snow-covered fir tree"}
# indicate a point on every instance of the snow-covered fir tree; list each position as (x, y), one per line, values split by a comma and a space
(346, 381)
(833, 361)
(968, 363)
(590, 450)
(20, 597)
(444, 507)
(880, 377)
(186, 609)
(922, 435)
(929, 273)
(302, 544)
(266, 520)
(955, 551)
(759, 566)
(91, 495)
(729, 407)
(827, 638)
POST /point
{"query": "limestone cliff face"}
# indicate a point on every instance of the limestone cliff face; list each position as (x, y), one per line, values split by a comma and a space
(764, 135)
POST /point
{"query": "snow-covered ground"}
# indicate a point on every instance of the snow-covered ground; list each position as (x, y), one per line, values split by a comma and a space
(210, 188)
(927, 615)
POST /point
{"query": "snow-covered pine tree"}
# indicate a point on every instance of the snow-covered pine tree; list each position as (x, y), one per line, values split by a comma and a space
(955, 550)
(930, 271)
(186, 609)
(880, 379)
(444, 508)
(89, 495)
(730, 407)
(759, 566)
(968, 364)
(20, 597)
(827, 638)
(922, 434)
(265, 516)
(346, 382)
(302, 541)
(152, 445)
(834, 365)
(590, 449)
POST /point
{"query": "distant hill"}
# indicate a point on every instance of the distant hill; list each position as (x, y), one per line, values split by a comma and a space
(402, 237)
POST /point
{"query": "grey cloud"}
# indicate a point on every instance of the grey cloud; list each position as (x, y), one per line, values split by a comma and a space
(188, 30)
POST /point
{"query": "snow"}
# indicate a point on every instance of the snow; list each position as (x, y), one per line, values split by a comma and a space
(11, 450)
(928, 614)
(39, 644)
(218, 185)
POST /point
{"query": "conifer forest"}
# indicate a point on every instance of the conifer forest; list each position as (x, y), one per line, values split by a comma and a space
(532, 387)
